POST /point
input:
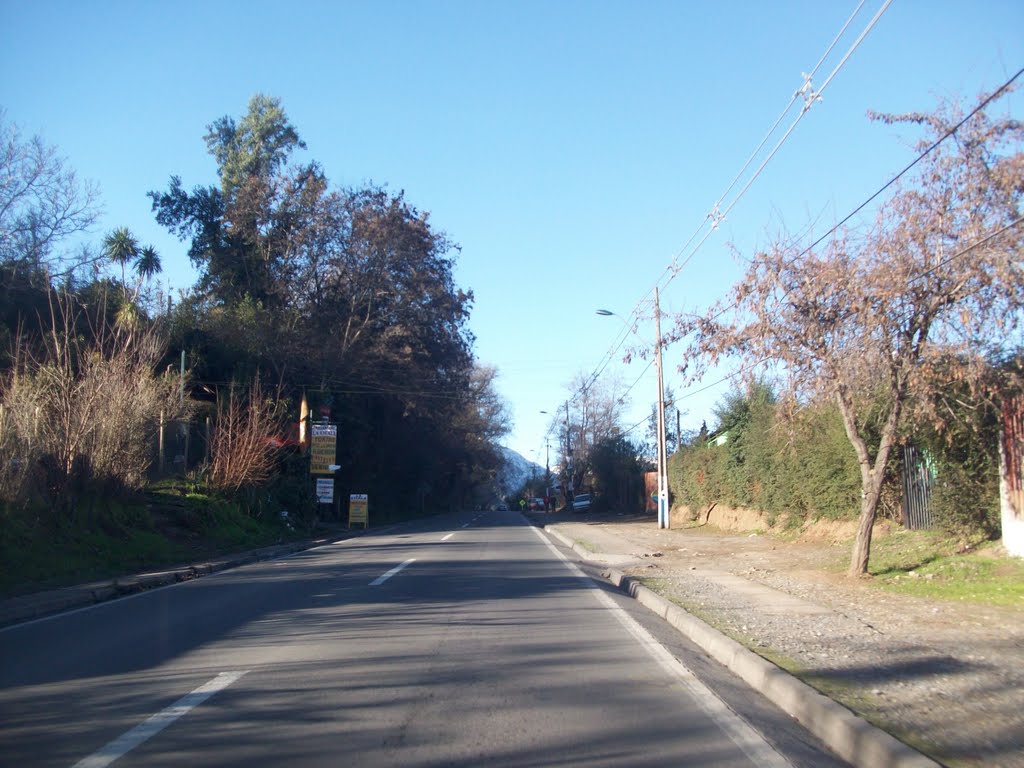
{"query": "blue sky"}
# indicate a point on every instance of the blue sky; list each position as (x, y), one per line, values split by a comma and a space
(570, 148)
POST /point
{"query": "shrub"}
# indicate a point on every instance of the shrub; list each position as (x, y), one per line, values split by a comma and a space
(799, 466)
(242, 451)
(78, 415)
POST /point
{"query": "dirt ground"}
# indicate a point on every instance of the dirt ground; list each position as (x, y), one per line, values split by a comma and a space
(946, 677)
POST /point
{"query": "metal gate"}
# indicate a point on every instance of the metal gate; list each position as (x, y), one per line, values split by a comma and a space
(918, 481)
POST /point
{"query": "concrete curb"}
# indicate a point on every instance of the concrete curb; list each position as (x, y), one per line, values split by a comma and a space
(849, 736)
(36, 606)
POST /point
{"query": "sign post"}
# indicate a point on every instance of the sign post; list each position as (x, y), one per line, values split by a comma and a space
(323, 442)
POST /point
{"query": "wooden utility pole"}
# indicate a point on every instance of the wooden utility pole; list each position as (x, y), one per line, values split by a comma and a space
(663, 511)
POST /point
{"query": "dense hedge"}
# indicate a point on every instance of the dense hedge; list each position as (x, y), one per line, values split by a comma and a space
(803, 467)
(799, 468)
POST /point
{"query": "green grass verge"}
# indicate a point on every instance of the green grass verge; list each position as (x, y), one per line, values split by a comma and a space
(929, 565)
(108, 538)
(936, 566)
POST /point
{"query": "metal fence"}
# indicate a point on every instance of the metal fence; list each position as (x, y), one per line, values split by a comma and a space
(918, 481)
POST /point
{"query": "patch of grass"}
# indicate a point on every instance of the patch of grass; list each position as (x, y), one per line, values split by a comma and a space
(168, 527)
(38, 555)
(927, 564)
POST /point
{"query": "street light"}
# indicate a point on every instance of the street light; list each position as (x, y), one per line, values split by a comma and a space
(663, 512)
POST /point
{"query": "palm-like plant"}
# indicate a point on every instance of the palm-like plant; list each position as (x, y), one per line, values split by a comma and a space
(147, 263)
(121, 247)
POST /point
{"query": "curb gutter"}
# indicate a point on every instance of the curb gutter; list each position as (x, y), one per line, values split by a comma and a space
(849, 736)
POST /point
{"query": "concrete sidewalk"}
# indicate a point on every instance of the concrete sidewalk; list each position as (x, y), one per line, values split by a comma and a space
(850, 737)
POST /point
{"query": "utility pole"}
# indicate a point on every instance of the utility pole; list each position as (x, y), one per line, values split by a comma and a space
(679, 429)
(547, 474)
(663, 509)
(568, 454)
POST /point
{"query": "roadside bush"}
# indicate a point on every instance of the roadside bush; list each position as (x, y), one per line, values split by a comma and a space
(696, 477)
(799, 466)
(242, 449)
(821, 478)
(79, 417)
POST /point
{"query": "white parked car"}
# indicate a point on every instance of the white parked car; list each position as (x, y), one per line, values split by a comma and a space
(581, 502)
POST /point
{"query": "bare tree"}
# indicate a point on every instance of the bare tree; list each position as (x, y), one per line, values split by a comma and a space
(882, 318)
(593, 415)
(42, 202)
(241, 451)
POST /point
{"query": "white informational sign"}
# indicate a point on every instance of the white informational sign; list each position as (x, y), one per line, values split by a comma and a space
(325, 490)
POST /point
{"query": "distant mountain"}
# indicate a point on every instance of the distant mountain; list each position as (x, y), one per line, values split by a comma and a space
(515, 471)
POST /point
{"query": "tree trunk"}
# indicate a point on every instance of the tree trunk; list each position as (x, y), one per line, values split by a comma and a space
(865, 524)
(872, 473)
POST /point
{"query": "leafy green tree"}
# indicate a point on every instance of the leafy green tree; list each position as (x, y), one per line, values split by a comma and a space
(256, 147)
(147, 264)
(249, 234)
(347, 293)
(617, 468)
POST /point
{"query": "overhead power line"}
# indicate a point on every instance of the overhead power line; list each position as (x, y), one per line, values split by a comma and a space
(984, 103)
(810, 96)
(934, 145)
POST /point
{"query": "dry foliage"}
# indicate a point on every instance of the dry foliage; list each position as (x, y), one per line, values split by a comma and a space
(82, 413)
(881, 318)
(242, 452)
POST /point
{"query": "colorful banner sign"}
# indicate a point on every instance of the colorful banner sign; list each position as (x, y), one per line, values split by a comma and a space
(323, 440)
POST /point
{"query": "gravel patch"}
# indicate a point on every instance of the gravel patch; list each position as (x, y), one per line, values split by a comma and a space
(946, 678)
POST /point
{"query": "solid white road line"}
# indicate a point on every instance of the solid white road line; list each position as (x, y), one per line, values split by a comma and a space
(739, 731)
(381, 579)
(445, 538)
(125, 743)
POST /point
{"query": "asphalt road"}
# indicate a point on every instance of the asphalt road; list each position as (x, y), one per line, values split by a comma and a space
(461, 640)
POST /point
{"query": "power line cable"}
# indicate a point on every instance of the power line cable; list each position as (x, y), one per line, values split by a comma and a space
(950, 132)
(985, 102)
(810, 97)
(922, 275)
(803, 90)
